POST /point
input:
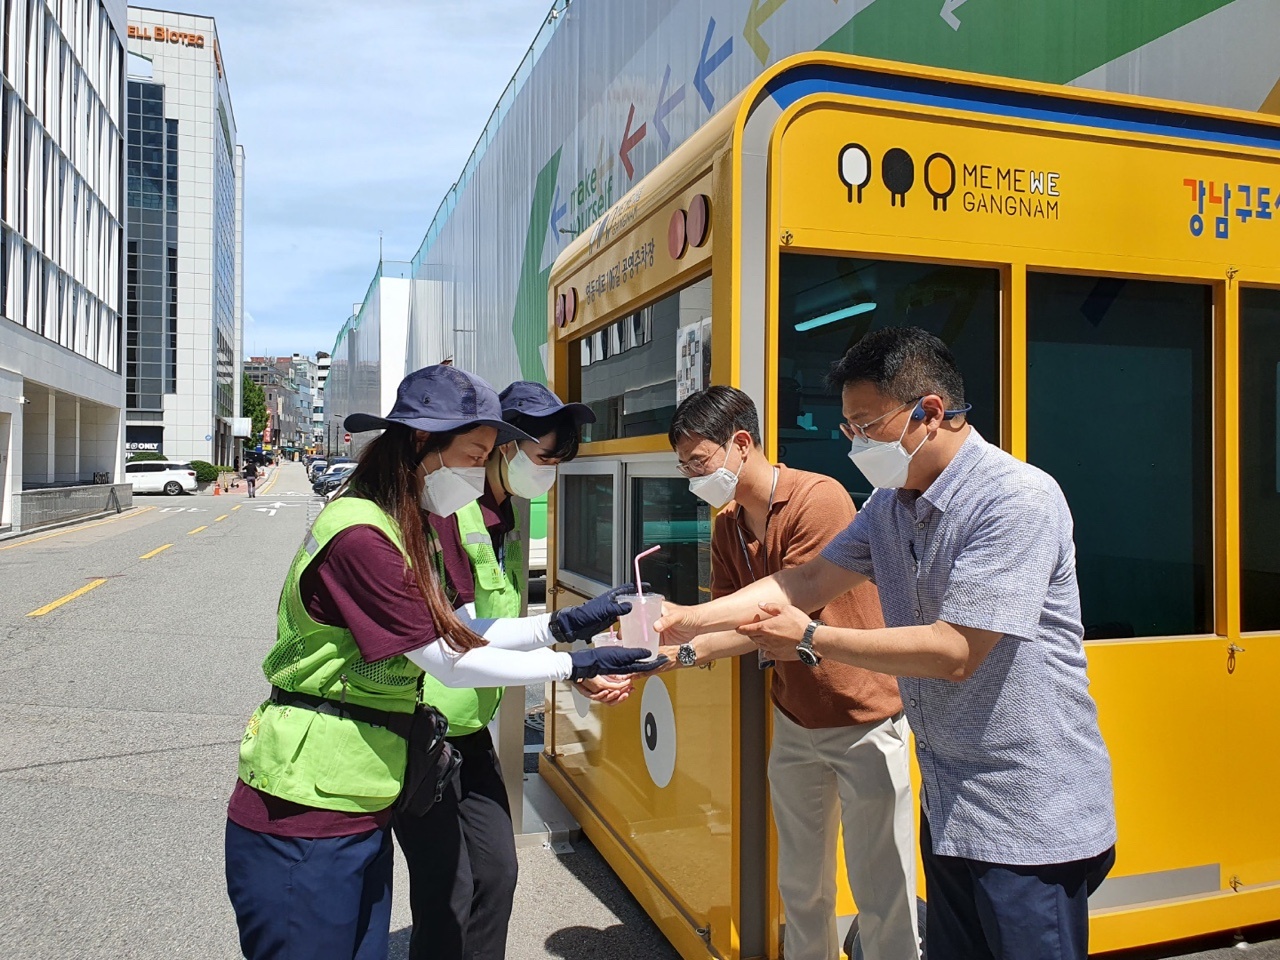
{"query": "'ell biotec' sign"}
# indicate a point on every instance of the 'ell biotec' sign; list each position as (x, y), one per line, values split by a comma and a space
(166, 35)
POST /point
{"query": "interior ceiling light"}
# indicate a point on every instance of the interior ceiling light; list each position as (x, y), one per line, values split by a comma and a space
(835, 316)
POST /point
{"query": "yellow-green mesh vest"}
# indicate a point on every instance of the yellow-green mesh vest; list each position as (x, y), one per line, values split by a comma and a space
(498, 595)
(313, 758)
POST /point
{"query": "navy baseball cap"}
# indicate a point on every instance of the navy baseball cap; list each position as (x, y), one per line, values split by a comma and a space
(534, 400)
(440, 398)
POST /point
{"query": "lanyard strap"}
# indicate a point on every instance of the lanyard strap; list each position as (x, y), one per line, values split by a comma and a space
(764, 540)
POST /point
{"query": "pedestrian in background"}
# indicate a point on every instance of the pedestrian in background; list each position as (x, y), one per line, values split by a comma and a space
(364, 611)
(972, 552)
(461, 856)
(839, 751)
(251, 478)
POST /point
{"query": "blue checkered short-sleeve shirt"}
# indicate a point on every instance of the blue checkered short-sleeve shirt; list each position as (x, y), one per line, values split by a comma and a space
(1013, 765)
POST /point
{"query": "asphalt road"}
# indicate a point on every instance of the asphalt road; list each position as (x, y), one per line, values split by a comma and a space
(122, 708)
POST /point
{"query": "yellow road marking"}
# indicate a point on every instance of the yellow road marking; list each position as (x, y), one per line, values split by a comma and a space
(148, 556)
(274, 478)
(237, 507)
(67, 599)
(75, 528)
(223, 517)
(197, 530)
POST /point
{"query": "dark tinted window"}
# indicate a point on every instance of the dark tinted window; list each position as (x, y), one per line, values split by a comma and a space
(587, 511)
(665, 514)
(826, 304)
(1260, 459)
(1118, 411)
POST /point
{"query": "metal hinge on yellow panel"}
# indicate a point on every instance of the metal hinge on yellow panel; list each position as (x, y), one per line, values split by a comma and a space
(1232, 650)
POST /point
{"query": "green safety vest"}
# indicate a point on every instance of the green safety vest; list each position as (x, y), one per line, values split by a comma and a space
(313, 758)
(499, 594)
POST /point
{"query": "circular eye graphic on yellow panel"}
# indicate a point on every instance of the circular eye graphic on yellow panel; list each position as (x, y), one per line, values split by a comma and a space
(658, 731)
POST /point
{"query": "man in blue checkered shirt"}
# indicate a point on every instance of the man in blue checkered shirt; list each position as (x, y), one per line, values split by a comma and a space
(973, 556)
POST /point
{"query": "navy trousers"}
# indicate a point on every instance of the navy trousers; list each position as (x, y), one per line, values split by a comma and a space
(327, 899)
(992, 911)
(462, 862)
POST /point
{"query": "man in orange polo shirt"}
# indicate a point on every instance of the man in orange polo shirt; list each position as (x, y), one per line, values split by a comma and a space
(839, 751)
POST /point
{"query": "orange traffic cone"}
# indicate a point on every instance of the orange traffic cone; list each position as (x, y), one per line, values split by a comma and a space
(217, 489)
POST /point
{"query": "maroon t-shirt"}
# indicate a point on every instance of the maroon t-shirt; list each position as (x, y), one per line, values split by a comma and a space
(359, 581)
(499, 520)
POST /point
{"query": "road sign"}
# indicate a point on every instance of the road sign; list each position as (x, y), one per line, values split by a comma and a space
(208, 436)
(346, 438)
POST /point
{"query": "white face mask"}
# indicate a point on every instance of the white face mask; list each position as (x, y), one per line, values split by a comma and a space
(528, 479)
(447, 490)
(884, 463)
(717, 488)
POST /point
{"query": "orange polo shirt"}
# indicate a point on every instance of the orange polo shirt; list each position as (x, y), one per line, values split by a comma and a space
(808, 510)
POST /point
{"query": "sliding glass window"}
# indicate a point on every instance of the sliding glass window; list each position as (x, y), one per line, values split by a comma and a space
(1118, 412)
(1260, 459)
(827, 304)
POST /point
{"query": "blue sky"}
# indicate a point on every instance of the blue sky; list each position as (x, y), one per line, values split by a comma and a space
(355, 117)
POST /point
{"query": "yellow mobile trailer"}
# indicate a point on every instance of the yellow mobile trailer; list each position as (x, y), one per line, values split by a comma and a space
(1106, 270)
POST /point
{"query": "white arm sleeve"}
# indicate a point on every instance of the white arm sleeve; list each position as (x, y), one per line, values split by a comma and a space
(510, 633)
(491, 667)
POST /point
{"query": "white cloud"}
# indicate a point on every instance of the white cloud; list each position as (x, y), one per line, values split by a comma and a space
(355, 117)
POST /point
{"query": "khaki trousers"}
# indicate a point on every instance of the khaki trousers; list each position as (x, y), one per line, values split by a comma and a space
(858, 777)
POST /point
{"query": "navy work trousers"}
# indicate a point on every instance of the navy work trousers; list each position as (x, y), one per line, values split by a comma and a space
(992, 911)
(296, 899)
(462, 862)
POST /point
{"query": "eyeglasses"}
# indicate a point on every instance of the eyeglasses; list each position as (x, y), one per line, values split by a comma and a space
(858, 431)
(697, 466)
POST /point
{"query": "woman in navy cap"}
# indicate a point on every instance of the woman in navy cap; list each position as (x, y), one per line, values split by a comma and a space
(461, 855)
(366, 609)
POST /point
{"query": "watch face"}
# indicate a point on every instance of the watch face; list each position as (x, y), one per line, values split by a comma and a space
(807, 656)
(687, 655)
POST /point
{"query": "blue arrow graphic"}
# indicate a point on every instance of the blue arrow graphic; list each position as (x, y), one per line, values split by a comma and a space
(558, 210)
(706, 66)
(665, 106)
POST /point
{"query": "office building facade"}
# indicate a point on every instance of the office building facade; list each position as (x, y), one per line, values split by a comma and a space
(62, 123)
(184, 258)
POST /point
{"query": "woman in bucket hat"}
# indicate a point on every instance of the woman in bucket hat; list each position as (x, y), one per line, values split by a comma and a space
(462, 855)
(365, 610)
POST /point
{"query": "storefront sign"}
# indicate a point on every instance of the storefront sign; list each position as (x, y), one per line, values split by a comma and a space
(167, 35)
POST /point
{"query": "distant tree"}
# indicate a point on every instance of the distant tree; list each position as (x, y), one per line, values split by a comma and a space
(254, 406)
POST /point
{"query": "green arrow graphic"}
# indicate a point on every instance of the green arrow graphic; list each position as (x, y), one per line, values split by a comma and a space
(529, 325)
(758, 13)
(1049, 40)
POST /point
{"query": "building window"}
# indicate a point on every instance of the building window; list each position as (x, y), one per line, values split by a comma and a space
(1118, 412)
(1260, 459)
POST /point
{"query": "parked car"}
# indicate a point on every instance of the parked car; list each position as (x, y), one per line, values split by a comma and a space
(161, 476)
(315, 468)
(332, 478)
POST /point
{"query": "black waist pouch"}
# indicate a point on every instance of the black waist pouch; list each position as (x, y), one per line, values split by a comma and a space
(432, 764)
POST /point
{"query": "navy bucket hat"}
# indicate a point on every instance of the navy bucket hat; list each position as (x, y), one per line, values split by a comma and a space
(534, 400)
(438, 399)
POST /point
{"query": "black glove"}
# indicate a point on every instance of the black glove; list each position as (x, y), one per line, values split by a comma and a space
(611, 660)
(587, 619)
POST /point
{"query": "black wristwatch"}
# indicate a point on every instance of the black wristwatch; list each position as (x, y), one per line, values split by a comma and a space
(804, 649)
(686, 655)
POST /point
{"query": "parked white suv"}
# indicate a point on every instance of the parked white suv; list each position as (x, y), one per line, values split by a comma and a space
(160, 476)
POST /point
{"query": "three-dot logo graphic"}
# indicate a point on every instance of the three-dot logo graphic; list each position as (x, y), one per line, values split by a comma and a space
(897, 173)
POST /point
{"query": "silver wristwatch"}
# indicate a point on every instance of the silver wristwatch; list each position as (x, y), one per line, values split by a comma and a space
(804, 649)
(686, 655)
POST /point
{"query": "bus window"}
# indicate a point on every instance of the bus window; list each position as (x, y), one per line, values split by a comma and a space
(665, 514)
(1118, 412)
(629, 367)
(1260, 459)
(586, 512)
(826, 304)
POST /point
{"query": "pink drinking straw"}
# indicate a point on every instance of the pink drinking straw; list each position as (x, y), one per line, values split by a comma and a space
(644, 622)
